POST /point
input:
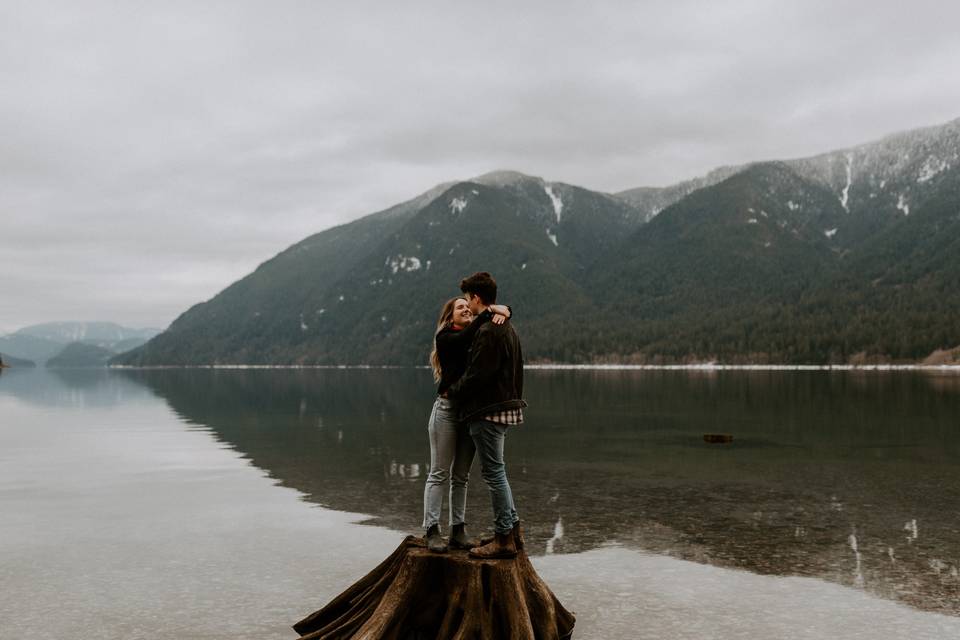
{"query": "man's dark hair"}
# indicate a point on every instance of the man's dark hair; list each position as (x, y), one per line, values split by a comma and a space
(481, 284)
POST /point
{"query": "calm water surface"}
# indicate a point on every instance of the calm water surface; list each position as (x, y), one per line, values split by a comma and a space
(224, 503)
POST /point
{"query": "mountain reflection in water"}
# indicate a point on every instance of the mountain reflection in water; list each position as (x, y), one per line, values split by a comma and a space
(847, 476)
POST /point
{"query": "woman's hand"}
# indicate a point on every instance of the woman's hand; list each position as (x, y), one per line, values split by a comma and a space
(500, 313)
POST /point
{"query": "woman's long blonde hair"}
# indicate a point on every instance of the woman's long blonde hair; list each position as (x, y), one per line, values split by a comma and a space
(445, 320)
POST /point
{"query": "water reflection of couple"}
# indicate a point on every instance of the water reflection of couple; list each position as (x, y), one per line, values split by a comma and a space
(478, 365)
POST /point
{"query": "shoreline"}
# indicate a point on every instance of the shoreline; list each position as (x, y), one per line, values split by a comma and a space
(953, 368)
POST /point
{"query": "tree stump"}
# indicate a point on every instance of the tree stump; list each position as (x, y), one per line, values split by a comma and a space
(415, 594)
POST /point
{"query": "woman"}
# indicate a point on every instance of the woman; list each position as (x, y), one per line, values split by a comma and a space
(451, 447)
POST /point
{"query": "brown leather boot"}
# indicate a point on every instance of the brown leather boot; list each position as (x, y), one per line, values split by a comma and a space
(517, 533)
(502, 546)
(459, 539)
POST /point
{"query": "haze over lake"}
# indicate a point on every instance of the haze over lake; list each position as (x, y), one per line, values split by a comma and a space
(224, 503)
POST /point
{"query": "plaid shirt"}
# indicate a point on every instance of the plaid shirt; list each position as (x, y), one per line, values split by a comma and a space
(510, 417)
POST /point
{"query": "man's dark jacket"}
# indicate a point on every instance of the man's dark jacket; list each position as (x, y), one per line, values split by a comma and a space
(494, 378)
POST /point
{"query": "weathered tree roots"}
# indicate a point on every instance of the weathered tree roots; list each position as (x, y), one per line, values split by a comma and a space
(415, 594)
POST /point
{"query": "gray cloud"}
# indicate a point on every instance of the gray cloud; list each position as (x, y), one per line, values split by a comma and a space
(152, 153)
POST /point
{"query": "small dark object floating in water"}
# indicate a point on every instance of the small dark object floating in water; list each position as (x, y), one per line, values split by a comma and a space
(717, 438)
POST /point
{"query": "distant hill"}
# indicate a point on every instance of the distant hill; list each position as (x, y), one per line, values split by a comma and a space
(81, 355)
(846, 256)
(89, 332)
(41, 342)
(10, 361)
(29, 347)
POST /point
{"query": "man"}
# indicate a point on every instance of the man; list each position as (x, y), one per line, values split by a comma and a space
(489, 399)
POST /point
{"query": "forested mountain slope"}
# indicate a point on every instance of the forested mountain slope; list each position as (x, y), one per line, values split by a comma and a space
(847, 256)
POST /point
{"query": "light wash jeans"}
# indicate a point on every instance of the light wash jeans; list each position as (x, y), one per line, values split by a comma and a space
(451, 456)
(489, 439)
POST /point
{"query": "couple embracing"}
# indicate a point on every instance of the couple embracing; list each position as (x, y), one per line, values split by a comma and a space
(478, 365)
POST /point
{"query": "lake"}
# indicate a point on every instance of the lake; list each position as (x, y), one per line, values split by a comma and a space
(199, 503)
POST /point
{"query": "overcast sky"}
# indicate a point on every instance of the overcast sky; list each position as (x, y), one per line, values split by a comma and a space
(152, 153)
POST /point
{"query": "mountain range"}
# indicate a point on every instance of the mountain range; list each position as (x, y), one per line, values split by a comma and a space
(847, 256)
(91, 343)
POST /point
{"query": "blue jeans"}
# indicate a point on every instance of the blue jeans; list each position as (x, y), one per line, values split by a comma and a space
(489, 439)
(451, 456)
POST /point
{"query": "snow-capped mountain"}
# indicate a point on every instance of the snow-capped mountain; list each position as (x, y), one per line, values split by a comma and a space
(888, 176)
(891, 175)
(847, 255)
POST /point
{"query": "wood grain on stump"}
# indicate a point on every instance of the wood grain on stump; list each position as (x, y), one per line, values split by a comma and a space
(717, 438)
(415, 594)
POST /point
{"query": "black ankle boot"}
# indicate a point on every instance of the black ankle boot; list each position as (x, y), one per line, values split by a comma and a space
(459, 539)
(434, 541)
